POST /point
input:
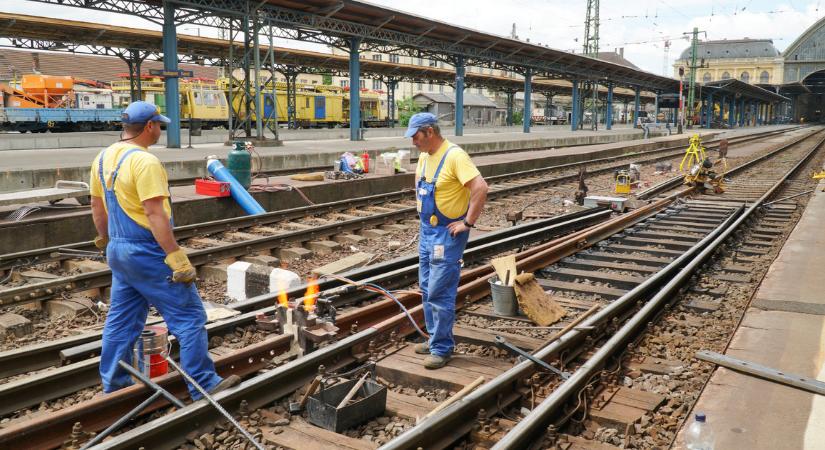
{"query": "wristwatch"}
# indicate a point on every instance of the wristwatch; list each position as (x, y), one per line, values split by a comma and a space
(468, 224)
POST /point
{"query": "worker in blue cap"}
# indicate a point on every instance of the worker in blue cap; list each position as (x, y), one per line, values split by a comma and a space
(450, 195)
(133, 217)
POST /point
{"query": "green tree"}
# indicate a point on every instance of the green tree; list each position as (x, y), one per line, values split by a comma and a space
(326, 80)
(518, 117)
(406, 109)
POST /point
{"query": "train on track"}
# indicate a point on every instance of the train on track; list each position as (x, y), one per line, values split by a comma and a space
(40, 103)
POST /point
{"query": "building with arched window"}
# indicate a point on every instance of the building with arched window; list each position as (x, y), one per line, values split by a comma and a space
(754, 61)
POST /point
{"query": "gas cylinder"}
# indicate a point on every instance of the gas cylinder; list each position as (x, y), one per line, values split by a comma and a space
(365, 159)
(239, 163)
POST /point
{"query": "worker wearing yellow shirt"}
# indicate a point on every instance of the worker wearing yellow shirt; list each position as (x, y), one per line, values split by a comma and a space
(450, 195)
(132, 215)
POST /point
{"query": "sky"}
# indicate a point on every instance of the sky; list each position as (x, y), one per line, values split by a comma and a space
(641, 27)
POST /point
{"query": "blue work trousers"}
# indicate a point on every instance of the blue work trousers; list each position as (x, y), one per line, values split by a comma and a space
(439, 270)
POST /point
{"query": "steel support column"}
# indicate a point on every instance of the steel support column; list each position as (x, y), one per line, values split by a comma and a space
(742, 112)
(354, 89)
(528, 102)
(636, 105)
(291, 98)
(574, 113)
(170, 63)
(657, 106)
(732, 112)
(722, 108)
(459, 96)
(510, 100)
(392, 84)
(259, 99)
(608, 116)
(709, 111)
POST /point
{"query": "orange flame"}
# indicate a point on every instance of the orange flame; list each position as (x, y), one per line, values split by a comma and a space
(283, 300)
(311, 293)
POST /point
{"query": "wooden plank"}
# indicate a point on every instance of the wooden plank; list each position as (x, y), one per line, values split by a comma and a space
(581, 288)
(582, 263)
(408, 406)
(407, 368)
(486, 310)
(615, 415)
(636, 259)
(648, 401)
(302, 435)
(479, 336)
(616, 279)
(644, 249)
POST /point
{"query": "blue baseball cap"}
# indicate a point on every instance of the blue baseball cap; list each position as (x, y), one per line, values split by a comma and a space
(142, 112)
(419, 120)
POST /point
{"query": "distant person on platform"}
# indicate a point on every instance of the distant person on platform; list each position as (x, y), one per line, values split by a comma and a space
(133, 217)
(450, 194)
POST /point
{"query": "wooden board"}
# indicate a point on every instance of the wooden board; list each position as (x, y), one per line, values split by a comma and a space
(503, 266)
(479, 336)
(535, 303)
(626, 407)
(606, 292)
(302, 435)
(405, 367)
(409, 406)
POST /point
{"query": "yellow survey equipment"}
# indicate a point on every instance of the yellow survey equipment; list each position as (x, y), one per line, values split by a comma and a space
(622, 182)
(697, 167)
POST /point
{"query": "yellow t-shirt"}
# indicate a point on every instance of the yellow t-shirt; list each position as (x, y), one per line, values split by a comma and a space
(140, 178)
(451, 196)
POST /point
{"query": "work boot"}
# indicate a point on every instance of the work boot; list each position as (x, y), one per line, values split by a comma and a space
(435, 361)
(226, 383)
(422, 348)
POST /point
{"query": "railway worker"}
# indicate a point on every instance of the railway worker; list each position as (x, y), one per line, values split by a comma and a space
(450, 194)
(132, 214)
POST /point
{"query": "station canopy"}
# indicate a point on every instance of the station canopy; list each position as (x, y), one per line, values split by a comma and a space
(740, 88)
(65, 35)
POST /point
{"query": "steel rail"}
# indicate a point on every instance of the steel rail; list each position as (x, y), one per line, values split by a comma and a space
(522, 435)
(84, 373)
(171, 429)
(102, 278)
(49, 254)
(393, 273)
(279, 172)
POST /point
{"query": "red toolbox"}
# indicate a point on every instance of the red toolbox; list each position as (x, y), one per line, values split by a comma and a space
(211, 188)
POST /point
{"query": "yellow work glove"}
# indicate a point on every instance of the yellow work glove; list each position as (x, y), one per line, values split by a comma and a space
(101, 242)
(182, 269)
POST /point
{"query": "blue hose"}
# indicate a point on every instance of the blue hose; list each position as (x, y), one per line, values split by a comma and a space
(236, 190)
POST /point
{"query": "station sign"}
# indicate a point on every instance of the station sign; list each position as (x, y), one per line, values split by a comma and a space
(171, 73)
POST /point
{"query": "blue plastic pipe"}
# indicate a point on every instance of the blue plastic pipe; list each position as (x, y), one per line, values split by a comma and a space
(236, 190)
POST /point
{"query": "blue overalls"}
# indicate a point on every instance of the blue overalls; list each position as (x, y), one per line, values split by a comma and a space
(139, 278)
(439, 264)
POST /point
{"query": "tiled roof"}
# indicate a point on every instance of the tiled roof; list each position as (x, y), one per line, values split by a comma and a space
(101, 68)
(733, 48)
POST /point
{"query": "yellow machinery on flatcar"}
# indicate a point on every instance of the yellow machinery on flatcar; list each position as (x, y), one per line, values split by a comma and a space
(200, 99)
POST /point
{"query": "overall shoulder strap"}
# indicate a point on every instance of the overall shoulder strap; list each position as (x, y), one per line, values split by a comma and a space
(119, 163)
(441, 163)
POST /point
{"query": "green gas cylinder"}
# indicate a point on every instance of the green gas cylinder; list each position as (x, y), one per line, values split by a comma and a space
(239, 163)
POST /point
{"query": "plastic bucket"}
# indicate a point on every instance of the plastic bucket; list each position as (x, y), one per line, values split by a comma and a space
(504, 298)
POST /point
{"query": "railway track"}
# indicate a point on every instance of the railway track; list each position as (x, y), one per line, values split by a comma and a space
(660, 250)
(251, 235)
(281, 172)
(680, 251)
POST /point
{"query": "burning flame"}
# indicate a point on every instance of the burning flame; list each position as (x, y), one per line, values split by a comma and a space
(283, 300)
(311, 293)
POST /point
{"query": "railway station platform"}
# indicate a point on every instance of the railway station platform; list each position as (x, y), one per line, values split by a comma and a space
(42, 167)
(783, 329)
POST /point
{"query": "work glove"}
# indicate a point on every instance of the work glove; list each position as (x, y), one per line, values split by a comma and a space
(182, 269)
(101, 242)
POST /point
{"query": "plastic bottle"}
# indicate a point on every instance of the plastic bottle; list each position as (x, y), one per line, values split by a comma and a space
(699, 435)
(365, 159)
